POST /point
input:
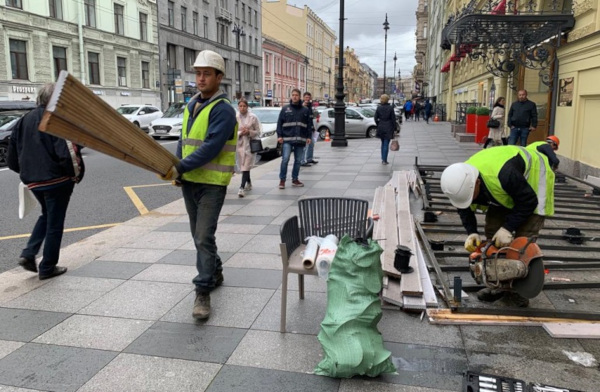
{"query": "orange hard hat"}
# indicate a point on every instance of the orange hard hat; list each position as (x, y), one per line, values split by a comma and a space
(553, 139)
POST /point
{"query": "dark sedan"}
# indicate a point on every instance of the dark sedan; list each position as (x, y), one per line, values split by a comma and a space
(10, 113)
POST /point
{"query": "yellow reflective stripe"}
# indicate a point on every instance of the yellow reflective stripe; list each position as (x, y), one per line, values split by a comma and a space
(219, 168)
(294, 124)
(198, 143)
(542, 186)
(528, 162)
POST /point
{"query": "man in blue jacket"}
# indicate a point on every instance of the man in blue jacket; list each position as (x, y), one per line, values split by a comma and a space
(294, 128)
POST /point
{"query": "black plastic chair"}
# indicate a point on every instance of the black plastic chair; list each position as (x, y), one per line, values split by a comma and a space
(318, 217)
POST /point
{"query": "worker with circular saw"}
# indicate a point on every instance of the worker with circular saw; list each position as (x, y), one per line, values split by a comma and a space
(515, 188)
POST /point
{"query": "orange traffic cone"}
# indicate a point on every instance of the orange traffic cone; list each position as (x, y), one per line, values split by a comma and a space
(327, 139)
(436, 118)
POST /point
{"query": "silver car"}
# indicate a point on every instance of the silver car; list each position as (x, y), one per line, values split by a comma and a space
(268, 129)
(360, 122)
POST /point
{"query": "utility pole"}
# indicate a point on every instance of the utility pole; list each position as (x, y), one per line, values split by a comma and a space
(239, 32)
(386, 27)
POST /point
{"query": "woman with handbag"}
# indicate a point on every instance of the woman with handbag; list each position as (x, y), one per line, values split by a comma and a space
(496, 118)
(248, 129)
(385, 118)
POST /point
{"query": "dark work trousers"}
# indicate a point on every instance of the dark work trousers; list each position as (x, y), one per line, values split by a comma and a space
(496, 216)
(49, 226)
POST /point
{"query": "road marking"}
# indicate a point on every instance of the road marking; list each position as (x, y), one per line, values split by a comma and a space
(137, 202)
(12, 237)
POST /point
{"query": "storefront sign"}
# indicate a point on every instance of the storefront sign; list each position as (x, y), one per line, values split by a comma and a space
(565, 93)
(98, 92)
(24, 89)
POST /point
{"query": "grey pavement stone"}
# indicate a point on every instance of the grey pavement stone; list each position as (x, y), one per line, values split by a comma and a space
(139, 300)
(255, 260)
(227, 209)
(251, 379)
(109, 269)
(102, 333)
(366, 194)
(16, 282)
(24, 325)
(188, 341)
(6, 388)
(65, 294)
(548, 371)
(52, 368)
(303, 315)
(358, 385)
(262, 244)
(7, 347)
(278, 196)
(401, 327)
(277, 351)
(133, 255)
(270, 230)
(583, 300)
(246, 220)
(311, 283)
(139, 373)
(226, 242)
(227, 310)
(168, 273)
(239, 229)
(252, 277)
(176, 227)
(333, 184)
(323, 192)
(261, 210)
(160, 240)
(272, 202)
(426, 366)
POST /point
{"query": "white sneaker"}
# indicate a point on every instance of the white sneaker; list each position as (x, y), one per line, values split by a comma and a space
(248, 186)
(241, 192)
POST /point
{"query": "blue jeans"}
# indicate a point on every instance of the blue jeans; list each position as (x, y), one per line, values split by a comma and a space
(286, 151)
(203, 203)
(308, 153)
(385, 149)
(49, 226)
(518, 133)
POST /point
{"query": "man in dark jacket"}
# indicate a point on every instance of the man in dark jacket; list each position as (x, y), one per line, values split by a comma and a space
(50, 167)
(309, 150)
(294, 128)
(522, 119)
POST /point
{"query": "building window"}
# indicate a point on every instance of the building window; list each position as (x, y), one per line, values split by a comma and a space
(119, 27)
(143, 27)
(145, 74)
(189, 56)
(237, 11)
(255, 45)
(250, 15)
(90, 12)
(18, 59)
(171, 56)
(122, 71)
(255, 74)
(94, 67)
(14, 3)
(222, 33)
(56, 9)
(171, 7)
(256, 18)
(243, 12)
(205, 27)
(250, 44)
(247, 72)
(60, 59)
(183, 19)
(195, 23)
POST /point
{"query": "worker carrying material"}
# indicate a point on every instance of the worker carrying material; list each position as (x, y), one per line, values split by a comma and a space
(514, 186)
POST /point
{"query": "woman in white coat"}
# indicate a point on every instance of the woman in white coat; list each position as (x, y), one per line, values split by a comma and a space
(497, 114)
(248, 129)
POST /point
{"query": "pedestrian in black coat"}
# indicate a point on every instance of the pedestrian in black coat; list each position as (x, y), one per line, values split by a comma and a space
(385, 118)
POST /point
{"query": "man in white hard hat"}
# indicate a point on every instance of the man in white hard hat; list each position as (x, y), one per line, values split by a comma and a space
(207, 152)
(514, 186)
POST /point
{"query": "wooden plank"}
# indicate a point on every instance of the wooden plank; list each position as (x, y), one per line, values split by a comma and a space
(428, 291)
(446, 316)
(390, 232)
(413, 303)
(392, 293)
(573, 330)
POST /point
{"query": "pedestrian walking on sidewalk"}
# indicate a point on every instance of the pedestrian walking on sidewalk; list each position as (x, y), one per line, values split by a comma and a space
(427, 110)
(495, 134)
(385, 118)
(310, 148)
(50, 167)
(207, 152)
(294, 128)
(522, 119)
(248, 129)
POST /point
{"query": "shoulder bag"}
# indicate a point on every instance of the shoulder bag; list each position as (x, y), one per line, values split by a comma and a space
(492, 123)
(255, 145)
(394, 145)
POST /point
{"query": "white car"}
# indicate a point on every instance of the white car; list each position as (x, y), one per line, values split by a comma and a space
(268, 129)
(140, 115)
(169, 125)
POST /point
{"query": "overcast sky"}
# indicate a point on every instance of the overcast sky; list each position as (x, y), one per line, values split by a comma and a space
(363, 30)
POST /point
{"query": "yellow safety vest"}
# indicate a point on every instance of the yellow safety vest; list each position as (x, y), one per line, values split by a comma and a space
(218, 171)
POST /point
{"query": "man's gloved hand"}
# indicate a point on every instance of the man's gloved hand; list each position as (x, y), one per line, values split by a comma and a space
(171, 175)
(472, 242)
(502, 238)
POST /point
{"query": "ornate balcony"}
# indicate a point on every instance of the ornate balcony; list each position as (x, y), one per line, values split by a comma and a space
(223, 14)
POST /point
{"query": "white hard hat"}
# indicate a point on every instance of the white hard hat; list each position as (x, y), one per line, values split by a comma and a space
(458, 183)
(208, 58)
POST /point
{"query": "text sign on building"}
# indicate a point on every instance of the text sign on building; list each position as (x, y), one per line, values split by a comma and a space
(179, 86)
(24, 89)
(269, 93)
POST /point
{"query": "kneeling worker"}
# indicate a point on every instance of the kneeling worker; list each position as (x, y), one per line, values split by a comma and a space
(514, 186)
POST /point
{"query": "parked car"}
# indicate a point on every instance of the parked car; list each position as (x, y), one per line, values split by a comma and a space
(359, 122)
(140, 115)
(268, 132)
(10, 113)
(169, 125)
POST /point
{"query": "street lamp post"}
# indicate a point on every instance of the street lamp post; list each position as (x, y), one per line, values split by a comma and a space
(386, 27)
(329, 87)
(339, 135)
(306, 73)
(401, 86)
(239, 32)
(394, 89)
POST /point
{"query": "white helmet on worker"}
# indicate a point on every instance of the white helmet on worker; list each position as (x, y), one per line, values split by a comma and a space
(208, 58)
(458, 183)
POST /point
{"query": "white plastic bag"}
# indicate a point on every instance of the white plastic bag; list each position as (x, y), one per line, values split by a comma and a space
(326, 254)
(27, 200)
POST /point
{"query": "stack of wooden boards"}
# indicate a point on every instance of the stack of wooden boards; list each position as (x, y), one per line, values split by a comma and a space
(394, 226)
(77, 114)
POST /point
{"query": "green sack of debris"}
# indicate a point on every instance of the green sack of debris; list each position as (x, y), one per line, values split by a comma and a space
(349, 336)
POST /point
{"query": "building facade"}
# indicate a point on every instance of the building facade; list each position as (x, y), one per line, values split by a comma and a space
(371, 81)
(284, 69)
(112, 47)
(232, 28)
(421, 48)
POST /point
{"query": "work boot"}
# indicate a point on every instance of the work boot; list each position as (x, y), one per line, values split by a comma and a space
(282, 184)
(241, 192)
(201, 306)
(515, 299)
(297, 183)
(28, 264)
(219, 279)
(489, 295)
